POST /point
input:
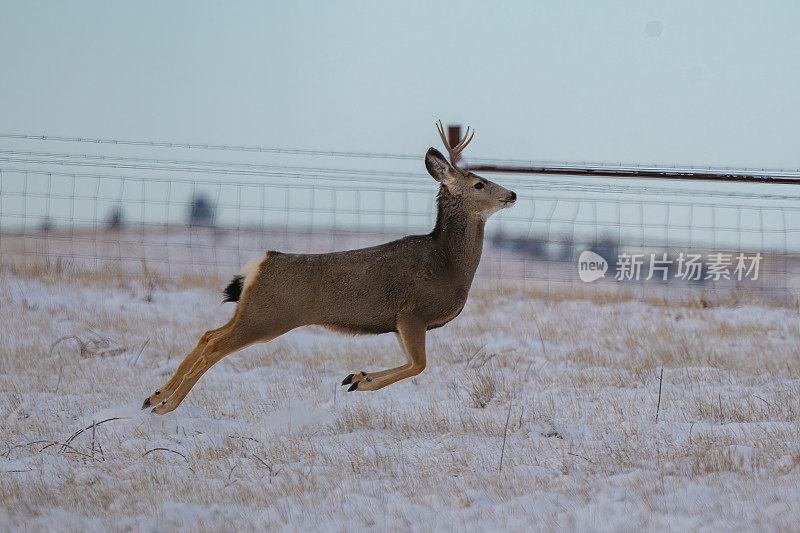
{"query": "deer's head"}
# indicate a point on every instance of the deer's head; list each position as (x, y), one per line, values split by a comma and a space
(477, 196)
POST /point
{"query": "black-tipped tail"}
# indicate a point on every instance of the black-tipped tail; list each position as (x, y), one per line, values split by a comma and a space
(234, 289)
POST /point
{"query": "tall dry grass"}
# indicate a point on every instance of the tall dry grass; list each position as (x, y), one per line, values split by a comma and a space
(564, 385)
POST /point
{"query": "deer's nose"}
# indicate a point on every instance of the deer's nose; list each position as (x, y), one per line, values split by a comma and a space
(513, 196)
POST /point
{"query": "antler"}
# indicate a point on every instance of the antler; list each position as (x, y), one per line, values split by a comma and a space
(457, 149)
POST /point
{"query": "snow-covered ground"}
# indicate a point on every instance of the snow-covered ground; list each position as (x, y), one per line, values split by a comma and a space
(564, 391)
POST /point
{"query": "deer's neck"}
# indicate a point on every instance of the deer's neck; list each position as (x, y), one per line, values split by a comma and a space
(459, 236)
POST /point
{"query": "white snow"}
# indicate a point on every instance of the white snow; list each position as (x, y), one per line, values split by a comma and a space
(269, 439)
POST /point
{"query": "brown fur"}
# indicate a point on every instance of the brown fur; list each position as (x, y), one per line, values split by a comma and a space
(407, 286)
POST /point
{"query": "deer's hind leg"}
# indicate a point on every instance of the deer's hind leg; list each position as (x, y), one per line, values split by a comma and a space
(250, 324)
(164, 392)
(212, 348)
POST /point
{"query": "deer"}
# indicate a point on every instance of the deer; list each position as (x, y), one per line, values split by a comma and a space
(406, 287)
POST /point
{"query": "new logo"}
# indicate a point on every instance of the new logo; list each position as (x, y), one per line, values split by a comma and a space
(591, 266)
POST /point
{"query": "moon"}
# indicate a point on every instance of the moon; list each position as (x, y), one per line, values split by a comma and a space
(654, 28)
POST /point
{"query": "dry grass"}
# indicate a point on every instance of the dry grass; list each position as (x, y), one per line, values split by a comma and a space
(63, 269)
(269, 440)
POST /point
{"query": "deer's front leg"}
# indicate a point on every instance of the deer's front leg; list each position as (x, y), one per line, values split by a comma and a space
(411, 334)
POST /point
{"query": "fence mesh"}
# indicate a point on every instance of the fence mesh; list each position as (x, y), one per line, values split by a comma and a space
(178, 210)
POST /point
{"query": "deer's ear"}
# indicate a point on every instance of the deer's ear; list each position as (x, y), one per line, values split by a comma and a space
(437, 166)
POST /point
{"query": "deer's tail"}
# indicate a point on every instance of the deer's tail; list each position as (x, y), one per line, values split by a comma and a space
(233, 291)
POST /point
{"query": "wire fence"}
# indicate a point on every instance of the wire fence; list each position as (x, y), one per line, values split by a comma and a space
(126, 204)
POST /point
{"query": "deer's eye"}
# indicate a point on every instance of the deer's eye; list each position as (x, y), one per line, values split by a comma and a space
(479, 185)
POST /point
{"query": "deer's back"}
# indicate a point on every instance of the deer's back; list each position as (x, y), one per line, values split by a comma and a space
(361, 291)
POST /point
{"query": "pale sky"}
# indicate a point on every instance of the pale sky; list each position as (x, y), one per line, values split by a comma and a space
(711, 83)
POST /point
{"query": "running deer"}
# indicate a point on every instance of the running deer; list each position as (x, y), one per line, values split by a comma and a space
(405, 287)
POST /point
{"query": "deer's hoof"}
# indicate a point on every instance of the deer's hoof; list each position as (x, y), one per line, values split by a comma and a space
(162, 408)
(355, 379)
